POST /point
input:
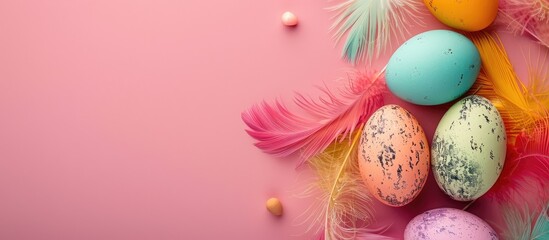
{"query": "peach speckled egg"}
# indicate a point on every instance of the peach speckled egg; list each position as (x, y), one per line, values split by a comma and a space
(394, 156)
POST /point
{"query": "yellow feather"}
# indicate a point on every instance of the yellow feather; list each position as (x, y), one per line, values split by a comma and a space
(343, 208)
(538, 79)
(520, 106)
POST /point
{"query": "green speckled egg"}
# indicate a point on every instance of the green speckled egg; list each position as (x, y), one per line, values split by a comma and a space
(468, 150)
(433, 67)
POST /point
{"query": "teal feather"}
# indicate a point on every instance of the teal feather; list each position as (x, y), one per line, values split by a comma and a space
(371, 24)
(541, 229)
(519, 224)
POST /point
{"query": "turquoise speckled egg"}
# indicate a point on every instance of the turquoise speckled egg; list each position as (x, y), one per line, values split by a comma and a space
(433, 67)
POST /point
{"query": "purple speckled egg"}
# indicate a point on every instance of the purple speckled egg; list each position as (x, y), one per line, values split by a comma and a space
(448, 223)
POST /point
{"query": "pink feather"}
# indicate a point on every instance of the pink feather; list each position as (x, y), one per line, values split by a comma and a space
(526, 16)
(282, 133)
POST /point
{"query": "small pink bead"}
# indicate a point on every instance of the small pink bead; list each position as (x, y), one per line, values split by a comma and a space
(289, 19)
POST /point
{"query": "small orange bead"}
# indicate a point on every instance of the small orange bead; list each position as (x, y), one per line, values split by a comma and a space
(274, 206)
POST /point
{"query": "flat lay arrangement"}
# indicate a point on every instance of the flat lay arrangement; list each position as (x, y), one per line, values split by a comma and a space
(274, 120)
(491, 145)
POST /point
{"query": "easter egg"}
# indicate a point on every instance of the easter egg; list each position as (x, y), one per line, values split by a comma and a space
(468, 149)
(448, 223)
(433, 67)
(467, 15)
(393, 156)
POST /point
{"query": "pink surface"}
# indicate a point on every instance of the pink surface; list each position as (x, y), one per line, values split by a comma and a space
(120, 119)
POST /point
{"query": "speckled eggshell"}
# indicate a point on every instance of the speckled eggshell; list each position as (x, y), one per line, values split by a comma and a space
(448, 223)
(393, 156)
(433, 67)
(469, 147)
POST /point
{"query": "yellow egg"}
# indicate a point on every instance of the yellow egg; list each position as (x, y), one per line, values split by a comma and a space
(467, 15)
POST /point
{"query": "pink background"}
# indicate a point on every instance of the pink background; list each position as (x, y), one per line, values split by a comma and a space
(120, 119)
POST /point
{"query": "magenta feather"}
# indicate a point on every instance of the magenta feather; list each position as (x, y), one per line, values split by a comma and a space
(282, 132)
(526, 17)
(526, 167)
(535, 152)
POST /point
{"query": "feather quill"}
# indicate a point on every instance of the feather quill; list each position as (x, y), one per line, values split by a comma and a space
(281, 132)
(342, 209)
(526, 17)
(371, 24)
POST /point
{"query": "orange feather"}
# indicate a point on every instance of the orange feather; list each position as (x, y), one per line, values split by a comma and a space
(521, 106)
